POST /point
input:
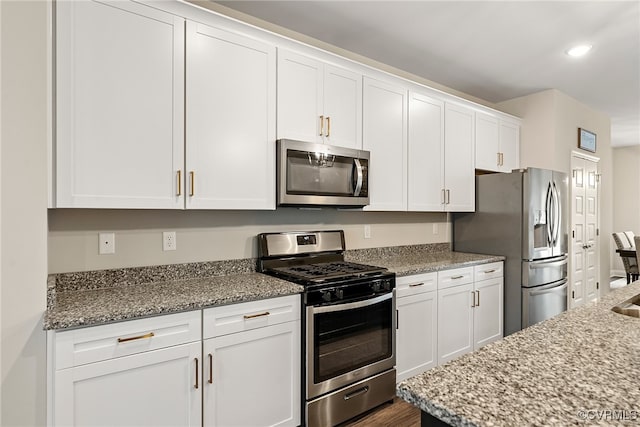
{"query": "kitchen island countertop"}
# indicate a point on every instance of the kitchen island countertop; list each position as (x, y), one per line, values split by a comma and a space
(578, 368)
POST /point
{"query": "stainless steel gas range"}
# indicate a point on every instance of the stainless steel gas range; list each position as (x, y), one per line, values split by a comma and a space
(348, 323)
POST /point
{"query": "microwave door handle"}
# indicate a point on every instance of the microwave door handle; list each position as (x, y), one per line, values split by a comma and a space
(360, 177)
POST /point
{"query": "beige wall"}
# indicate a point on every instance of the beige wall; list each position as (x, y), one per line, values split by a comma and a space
(549, 136)
(626, 195)
(23, 193)
(217, 235)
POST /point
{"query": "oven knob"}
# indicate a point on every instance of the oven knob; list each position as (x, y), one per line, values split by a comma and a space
(376, 286)
(387, 285)
(339, 293)
(326, 295)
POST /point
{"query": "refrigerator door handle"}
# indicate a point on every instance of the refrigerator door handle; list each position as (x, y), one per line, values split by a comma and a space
(558, 214)
(551, 287)
(549, 218)
(545, 263)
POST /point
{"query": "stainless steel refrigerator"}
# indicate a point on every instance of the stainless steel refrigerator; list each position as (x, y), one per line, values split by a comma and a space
(523, 216)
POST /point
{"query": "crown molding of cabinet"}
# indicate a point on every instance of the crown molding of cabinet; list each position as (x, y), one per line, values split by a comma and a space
(294, 35)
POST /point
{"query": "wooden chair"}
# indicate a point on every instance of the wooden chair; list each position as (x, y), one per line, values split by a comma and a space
(630, 263)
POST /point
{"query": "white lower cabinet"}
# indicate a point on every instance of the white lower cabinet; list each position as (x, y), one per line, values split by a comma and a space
(416, 323)
(252, 376)
(155, 388)
(157, 372)
(470, 309)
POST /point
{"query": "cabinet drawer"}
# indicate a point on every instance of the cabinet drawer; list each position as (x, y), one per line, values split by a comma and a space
(81, 346)
(416, 284)
(455, 277)
(488, 271)
(245, 316)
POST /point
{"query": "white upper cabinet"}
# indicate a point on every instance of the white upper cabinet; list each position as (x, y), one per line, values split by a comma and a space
(318, 102)
(459, 191)
(497, 143)
(119, 106)
(230, 120)
(385, 136)
(425, 153)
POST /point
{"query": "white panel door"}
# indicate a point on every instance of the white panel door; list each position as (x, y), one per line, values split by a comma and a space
(455, 322)
(487, 142)
(230, 120)
(416, 334)
(425, 181)
(384, 135)
(155, 388)
(584, 224)
(119, 105)
(487, 314)
(252, 378)
(509, 146)
(459, 167)
(591, 279)
(300, 95)
(342, 107)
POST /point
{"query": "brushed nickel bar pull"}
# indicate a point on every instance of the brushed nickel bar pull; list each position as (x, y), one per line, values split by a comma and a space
(397, 319)
(358, 392)
(490, 271)
(321, 125)
(444, 197)
(414, 285)
(456, 277)
(139, 337)
(478, 292)
(473, 295)
(252, 316)
(192, 184)
(179, 192)
(448, 197)
(196, 385)
(501, 159)
(328, 126)
(210, 368)
(498, 159)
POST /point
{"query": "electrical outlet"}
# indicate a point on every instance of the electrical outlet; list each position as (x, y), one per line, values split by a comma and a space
(168, 240)
(367, 231)
(107, 243)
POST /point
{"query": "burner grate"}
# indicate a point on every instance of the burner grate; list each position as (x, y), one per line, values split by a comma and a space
(328, 270)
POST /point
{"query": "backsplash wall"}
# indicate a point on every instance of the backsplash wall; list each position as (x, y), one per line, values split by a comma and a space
(217, 235)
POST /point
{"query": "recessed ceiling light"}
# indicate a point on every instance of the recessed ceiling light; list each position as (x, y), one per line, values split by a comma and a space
(579, 50)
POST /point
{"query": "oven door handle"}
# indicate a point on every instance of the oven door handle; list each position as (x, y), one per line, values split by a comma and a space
(352, 305)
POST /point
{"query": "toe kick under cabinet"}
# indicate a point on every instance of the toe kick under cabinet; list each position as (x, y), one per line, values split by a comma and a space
(195, 368)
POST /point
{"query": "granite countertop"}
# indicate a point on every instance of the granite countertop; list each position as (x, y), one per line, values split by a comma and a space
(97, 297)
(418, 259)
(80, 303)
(576, 368)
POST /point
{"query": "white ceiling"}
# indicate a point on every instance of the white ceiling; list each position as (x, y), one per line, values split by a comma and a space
(494, 50)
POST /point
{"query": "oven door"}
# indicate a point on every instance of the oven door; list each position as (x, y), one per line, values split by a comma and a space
(350, 341)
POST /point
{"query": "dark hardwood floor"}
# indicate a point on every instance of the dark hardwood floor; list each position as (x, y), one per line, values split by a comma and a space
(396, 414)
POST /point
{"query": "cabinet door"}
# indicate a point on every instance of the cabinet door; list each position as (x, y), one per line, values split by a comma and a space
(156, 388)
(425, 181)
(230, 121)
(384, 135)
(509, 146)
(342, 107)
(119, 105)
(455, 322)
(416, 334)
(299, 97)
(252, 378)
(487, 314)
(487, 143)
(459, 165)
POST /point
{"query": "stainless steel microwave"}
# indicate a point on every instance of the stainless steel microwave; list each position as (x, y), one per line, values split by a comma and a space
(310, 174)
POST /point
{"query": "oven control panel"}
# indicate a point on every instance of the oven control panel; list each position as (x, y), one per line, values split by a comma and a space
(351, 291)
